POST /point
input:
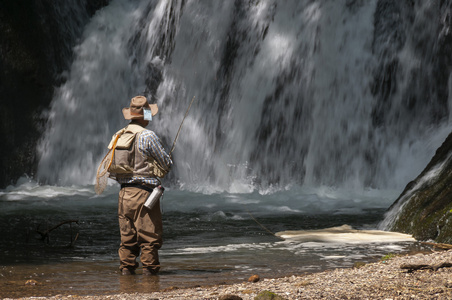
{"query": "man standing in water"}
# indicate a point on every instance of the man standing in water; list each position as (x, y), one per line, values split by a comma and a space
(138, 163)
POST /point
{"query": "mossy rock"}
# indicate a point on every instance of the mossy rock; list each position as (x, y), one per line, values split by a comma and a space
(267, 295)
(359, 264)
(424, 209)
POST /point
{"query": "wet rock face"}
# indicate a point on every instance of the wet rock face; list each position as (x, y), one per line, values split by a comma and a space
(36, 40)
(424, 209)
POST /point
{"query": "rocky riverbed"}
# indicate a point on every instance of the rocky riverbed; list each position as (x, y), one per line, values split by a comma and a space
(419, 276)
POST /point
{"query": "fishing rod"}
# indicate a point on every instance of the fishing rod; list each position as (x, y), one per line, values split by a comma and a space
(180, 127)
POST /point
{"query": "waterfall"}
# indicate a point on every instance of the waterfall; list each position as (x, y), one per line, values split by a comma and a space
(338, 93)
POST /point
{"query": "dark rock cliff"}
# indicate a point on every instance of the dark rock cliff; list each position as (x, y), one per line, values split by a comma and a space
(424, 209)
(36, 40)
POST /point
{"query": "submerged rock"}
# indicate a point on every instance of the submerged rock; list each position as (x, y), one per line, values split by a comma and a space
(31, 282)
(424, 209)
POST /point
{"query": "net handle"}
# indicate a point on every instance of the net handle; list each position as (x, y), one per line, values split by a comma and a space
(111, 159)
(113, 148)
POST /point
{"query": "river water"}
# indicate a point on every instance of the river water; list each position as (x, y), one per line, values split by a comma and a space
(307, 115)
(208, 238)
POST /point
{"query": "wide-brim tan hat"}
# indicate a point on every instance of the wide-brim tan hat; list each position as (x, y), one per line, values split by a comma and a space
(136, 109)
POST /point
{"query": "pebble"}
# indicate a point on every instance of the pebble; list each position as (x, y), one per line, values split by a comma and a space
(31, 282)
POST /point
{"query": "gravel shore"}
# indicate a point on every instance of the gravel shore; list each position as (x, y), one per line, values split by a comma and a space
(394, 278)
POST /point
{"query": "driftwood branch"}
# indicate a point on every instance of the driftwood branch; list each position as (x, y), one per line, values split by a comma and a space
(438, 245)
(45, 234)
(414, 267)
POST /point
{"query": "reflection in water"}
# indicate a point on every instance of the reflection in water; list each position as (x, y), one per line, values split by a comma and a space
(139, 283)
(76, 278)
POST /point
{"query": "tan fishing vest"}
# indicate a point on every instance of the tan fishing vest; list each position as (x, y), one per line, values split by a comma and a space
(128, 160)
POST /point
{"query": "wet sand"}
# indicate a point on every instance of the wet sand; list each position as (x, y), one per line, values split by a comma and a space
(384, 279)
(95, 278)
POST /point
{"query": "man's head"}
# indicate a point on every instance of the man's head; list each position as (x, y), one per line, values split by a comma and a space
(137, 108)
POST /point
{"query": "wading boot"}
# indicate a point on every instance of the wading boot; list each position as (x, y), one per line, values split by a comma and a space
(149, 271)
(126, 271)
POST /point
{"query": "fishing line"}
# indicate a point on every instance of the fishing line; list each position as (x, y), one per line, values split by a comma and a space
(262, 226)
(180, 127)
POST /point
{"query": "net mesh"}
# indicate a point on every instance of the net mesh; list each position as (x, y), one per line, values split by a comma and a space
(102, 173)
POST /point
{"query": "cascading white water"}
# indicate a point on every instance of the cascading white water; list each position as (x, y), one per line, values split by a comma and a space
(86, 110)
(285, 94)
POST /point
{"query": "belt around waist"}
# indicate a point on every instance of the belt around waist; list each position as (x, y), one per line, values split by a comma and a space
(137, 185)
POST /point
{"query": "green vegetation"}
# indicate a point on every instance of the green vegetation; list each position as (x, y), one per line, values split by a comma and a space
(388, 256)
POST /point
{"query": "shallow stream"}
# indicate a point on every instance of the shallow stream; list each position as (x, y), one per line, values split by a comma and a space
(208, 238)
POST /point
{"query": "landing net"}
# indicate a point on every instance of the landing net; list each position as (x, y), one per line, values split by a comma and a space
(102, 171)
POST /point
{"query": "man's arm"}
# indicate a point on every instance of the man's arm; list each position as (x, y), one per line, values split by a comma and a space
(151, 145)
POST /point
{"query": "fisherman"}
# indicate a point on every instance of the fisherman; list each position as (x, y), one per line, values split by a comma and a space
(139, 161)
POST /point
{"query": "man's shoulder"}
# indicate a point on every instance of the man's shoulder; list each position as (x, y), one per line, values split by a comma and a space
(147, 134)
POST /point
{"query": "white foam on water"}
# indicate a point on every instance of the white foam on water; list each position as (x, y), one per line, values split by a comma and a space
(298, 200)
(28, 189)
(345, 235)
(330, 257)
(218, 249)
